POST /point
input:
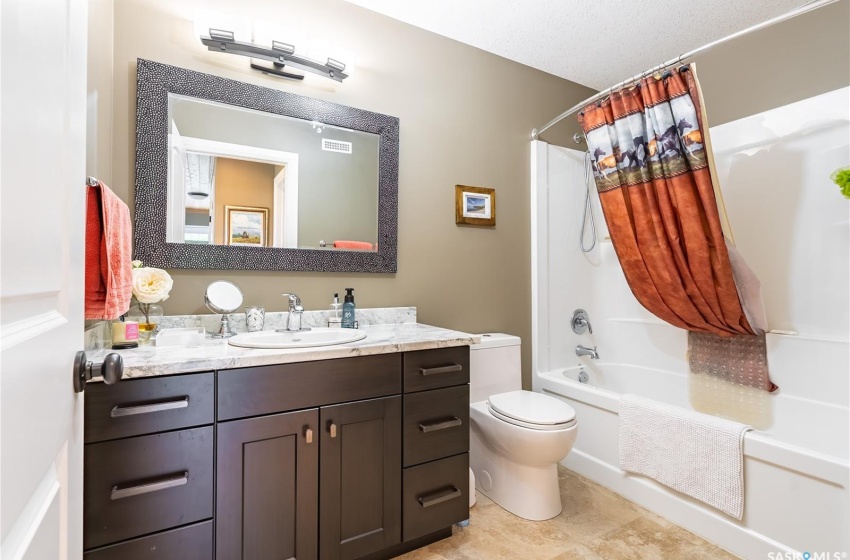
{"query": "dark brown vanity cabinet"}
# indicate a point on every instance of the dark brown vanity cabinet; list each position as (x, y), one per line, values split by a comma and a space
(360, 481)
(148, 478)
(268, 487)
(272, 485)
(341, 459)
(436, 440)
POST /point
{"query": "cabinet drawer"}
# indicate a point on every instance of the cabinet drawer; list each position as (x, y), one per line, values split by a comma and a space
(254, 391)
(145, 406)
(432, 369)
(436, 424)
(145, 484)
(435, 495)
(194, 542)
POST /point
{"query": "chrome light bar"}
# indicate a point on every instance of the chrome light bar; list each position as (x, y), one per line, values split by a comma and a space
(280, 54)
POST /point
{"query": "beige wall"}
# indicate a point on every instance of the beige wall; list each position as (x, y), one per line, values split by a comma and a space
(99, 91)
(793, 60)
(465, 119)
(242, 183)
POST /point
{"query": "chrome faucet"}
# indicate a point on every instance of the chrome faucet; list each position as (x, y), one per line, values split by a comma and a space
(293, 320)
(585, 351)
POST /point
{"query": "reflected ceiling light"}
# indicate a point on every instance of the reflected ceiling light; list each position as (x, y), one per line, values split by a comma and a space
(198, 195)
(266, 42)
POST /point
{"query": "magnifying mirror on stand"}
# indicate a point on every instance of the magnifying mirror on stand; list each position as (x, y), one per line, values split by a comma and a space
(225, 298)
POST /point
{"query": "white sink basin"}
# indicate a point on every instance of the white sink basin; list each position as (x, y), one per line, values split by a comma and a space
(319, 336)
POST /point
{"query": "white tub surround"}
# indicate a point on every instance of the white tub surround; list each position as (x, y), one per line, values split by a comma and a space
(150, 361)
(797, 461)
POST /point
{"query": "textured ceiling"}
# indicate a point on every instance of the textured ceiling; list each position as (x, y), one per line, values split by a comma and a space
(595, 43)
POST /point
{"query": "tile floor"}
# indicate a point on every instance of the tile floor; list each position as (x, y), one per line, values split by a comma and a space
(596, 524)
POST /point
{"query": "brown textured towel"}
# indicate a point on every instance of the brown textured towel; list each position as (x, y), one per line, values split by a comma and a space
(740, 359)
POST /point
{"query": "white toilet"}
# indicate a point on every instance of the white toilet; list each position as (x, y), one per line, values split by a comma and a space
(517, 437)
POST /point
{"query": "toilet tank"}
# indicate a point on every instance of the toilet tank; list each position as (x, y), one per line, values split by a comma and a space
(494, 366)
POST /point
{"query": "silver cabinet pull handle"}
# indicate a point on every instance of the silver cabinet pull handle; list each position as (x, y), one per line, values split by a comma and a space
(440, 424)
(308, 435)
(332, 429)
(119, 411)
(440, 497)
(171, 481)
(441, 369)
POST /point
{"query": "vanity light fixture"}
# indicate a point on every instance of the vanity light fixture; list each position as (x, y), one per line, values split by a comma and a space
(223, 33)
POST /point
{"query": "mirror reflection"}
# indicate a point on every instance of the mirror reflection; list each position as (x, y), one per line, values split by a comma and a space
(243, 177)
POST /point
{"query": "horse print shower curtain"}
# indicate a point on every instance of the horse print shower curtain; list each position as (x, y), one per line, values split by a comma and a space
(652, 168)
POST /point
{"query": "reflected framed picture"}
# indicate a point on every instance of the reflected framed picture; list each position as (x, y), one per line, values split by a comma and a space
(475, 206)
(246, 226)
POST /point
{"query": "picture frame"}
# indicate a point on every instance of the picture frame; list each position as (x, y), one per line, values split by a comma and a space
(475, 206)
(246, 226)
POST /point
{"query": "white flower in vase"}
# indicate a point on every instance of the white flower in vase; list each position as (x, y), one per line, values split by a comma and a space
(150, 286)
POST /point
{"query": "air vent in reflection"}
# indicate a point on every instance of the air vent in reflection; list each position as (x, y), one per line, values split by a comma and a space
(336, 146)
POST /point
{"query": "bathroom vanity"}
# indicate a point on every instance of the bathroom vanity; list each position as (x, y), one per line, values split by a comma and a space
(340, 452)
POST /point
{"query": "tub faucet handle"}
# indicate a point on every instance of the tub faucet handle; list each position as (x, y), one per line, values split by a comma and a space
(581, 322)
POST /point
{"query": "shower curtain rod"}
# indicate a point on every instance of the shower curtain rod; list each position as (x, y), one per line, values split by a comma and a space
(681, 58)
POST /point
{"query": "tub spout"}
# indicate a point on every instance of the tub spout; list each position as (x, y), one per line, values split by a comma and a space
(585, 351)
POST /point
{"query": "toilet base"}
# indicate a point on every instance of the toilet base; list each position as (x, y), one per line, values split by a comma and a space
(530, 492)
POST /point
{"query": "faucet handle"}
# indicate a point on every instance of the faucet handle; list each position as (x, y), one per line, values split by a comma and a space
(294, 300)
(581, 322)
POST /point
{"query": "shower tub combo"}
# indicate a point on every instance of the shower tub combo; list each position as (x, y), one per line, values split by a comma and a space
(796, 460)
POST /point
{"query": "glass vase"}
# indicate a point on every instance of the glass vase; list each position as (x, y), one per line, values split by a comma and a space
(148, 315)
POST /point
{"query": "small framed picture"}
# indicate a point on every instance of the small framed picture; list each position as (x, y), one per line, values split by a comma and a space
(475, 206)
(244, 225)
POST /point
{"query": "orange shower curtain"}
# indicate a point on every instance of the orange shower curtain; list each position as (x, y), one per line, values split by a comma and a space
(651, 168)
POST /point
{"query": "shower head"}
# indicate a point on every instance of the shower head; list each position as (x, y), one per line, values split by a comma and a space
(578, 138)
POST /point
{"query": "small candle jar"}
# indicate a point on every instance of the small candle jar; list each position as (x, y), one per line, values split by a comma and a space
(125, 333)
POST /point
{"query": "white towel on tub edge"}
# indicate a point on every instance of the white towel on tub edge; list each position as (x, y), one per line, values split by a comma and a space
(693, 453)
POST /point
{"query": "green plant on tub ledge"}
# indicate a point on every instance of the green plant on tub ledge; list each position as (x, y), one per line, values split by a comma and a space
(841, 177)
(150, 287)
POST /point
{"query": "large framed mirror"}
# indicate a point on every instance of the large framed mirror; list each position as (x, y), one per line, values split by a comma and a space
(231, 175)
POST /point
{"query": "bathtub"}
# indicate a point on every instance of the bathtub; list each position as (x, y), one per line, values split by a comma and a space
(796, 474)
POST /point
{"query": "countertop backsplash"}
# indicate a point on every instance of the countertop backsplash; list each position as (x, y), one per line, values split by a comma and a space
(277, 319)
(98, 336)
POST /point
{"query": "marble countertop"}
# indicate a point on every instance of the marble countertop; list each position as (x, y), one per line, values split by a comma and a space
(214, 354)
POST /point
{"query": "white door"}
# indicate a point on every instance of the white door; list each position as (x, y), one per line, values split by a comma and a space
(42, 195)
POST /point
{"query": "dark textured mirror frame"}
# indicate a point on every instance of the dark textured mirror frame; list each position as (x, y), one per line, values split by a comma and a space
(154, 82)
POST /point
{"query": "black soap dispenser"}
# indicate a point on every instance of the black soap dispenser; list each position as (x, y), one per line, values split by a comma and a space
(348, 319)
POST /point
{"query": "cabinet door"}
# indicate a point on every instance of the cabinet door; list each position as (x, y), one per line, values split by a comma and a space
(267, 489)
(360, 478)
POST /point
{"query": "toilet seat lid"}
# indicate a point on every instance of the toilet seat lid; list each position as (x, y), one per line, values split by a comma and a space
(532, 408)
